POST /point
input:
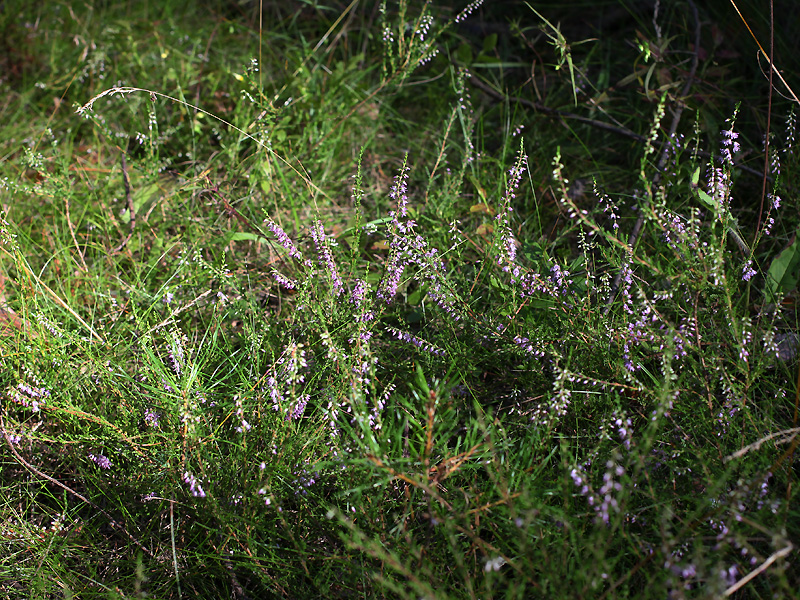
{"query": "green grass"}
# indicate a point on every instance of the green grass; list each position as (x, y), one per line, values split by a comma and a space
(318, 312)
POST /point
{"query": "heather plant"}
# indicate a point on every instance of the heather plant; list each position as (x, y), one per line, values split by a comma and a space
(355, 318)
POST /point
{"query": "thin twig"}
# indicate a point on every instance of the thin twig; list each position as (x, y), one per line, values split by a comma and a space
(229, 209)
(122, 90)
(662, 161)
(490, 91)
(760, 49)
(131, 209)
(761, 568)
(172, 539)
(410, 481)
(554, 111)
(175, 313)
(786, 436)
(20, 262)
(30, 467)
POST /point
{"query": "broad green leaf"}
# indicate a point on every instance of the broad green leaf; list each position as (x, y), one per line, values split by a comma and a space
(784, 271)
(478, 187)
(415, 297)
(464, 54)
(539, 303)
(489, 43)
(706, 199)
(696, 176)
(240, 236)
(141, 199)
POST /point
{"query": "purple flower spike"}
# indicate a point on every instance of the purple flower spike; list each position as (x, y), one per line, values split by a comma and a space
(101, 461)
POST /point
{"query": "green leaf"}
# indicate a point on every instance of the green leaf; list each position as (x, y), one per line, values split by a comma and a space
(577, 264)
(706, 199)
(464, 54)
(415, 297)
(497, 284)
(414, 317)
(539, 303)
(784, 271)
(142, 197)
(489, 43)
(422, 383)
(474, 181)
(239, 236)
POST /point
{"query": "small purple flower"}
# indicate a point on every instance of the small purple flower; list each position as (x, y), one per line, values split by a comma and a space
(391, 280)
(244, 426)
(177, 356)
(528, 347)
(101, 461)
(49, 325)
(507, 252)
(748, 271)
(399, 189)
(194, 486)
(471, 7)
(284, 281)
(284, 240)
(416, 341)
(729, 145)
(561, 277)
(494, 564)
(730, 575)
(298, 408)
(770, 222)
(359, 292)
(608, 207)
(28, 395)
(358, 297)
(274, 393)
(151, 418)
(325, 257)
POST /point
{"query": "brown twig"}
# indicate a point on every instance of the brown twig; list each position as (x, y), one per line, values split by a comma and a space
(662, 161)
(28, 272)
(131, 209)
(36, 471)
(564, 115)
(554, 111)
(410, 481)
(761, 50)
(230, 210)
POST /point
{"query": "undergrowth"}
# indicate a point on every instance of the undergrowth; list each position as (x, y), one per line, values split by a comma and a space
(365, 306)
